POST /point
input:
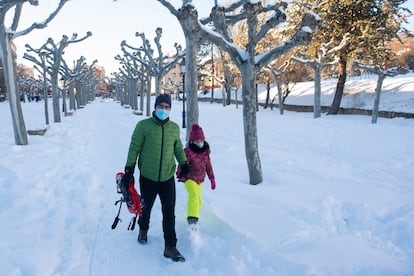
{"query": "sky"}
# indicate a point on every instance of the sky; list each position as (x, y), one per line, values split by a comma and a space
(336, 197)
(110, 23)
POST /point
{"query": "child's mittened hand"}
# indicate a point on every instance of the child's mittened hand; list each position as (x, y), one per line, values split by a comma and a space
(213, 184)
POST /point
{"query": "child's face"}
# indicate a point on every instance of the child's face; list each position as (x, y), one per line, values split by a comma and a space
(199, 143)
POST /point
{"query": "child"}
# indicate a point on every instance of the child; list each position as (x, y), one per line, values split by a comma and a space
(198, 156)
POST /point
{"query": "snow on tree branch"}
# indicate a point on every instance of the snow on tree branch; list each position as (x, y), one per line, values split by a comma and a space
(278, 16)
(376, 69)
(302, 36)
(39, 25)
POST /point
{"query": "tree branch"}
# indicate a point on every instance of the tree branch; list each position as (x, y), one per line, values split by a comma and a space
(42, 24)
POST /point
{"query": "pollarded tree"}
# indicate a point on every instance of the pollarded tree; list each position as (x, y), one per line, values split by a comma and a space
(187, 16)
(85, 84)
(157, 67)
(324, 59)
(7, 55)
(43, 70)
(229, 73)
(131, 73)
(249, 61)
(55, 53)
(277, 70)
(382, 74)
(119, 81)
(130, 70)
(71, 77)
(50, 60)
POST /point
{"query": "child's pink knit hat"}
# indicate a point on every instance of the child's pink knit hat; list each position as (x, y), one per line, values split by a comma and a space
(196, 133)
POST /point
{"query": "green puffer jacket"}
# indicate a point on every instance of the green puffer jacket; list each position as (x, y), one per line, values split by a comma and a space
(156, 143)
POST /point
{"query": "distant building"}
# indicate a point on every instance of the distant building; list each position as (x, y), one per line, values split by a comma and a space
(102, 86)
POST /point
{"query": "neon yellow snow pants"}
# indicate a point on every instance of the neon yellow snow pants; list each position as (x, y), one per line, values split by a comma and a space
(194, 197)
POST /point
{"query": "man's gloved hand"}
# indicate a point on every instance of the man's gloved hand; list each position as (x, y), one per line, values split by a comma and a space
(213, 184)
(128, 176)
(183, 172)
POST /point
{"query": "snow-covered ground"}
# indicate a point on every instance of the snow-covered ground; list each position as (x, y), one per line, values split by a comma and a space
(397, 93)
(337, 196)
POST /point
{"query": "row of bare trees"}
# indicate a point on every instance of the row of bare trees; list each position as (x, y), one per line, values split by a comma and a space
(140, 64)
(258, 21)
(49, 62)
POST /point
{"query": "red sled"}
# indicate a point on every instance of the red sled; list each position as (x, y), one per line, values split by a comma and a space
(130, 196)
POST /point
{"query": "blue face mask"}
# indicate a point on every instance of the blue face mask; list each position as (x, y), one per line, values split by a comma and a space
(162, 114)
(199, 144)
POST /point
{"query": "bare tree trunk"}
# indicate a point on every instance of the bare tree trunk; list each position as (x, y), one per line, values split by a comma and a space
(134, 97)
(46, 100)
(19, 127)
(236, 92)
(142, 95)
(55, 98)
(64, 105)
(148, 95)
(223, 94)
(280, 96)
(339, 87)
(157, 84)
(267, 93)
(191, 82)
(78, 95)
(317, 96)
(227, 85)
(378, 89)
(250, 125)
(228, 93)
(212, 80)
(72, 105)
(45, 94)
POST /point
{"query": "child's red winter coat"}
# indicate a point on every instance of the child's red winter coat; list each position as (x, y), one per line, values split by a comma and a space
(199, 163)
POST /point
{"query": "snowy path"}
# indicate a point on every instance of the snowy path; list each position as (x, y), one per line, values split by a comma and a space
(115, 249)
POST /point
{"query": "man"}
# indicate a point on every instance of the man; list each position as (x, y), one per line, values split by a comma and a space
(155, 142)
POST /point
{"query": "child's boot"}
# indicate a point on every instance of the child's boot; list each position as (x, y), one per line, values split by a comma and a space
(193, 223)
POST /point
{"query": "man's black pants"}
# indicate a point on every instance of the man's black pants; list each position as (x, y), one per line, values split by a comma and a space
(166, 192)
